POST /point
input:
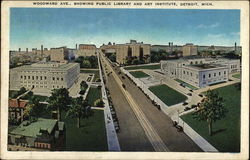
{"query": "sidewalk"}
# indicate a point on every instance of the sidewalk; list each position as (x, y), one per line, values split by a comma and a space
(113, 143)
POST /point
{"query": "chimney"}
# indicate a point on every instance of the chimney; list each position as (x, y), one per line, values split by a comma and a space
(27, 50)
(235, 46)
(41, 49)
(19, 49)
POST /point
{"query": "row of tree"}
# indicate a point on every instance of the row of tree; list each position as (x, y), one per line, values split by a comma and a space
(60, 101)
(87, 62)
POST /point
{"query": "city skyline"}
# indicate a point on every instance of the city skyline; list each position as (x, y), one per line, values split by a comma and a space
(66, 27)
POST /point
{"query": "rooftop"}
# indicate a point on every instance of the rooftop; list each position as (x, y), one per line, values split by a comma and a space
(205, 66)
(33, 129)
(17, 103)
(47, 66)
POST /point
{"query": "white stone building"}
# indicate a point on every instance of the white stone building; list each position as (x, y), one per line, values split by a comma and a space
(200, 72)
(42, 77)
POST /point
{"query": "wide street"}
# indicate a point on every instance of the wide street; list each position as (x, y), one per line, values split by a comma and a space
(156, 124)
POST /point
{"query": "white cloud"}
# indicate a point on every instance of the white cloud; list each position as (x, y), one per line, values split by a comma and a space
(235, 33)
(203, 26)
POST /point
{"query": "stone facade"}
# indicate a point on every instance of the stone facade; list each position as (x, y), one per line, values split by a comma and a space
(123, 51)
(189, 50)
(42, 77)
(200, 72)
(86, 50)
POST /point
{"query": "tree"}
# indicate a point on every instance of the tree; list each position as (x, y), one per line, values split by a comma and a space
(86, 64)
(83, 87)
(79, 109)
(98, 103)
(59, 100)
(34, 108)
(211, 109)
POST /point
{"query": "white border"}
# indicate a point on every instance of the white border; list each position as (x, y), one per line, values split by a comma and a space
(244, 35)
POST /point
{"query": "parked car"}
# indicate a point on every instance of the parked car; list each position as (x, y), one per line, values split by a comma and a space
(123, 77)
(193, 105)
(187, 108)
(123, 85)
(200, 95)
(184, 103)
(191, 90)
(189, 94)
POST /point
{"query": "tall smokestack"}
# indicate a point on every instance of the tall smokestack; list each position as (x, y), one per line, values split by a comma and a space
(235, 46)
(169, 44)
(41, 49)
(76, 46)
(27, 50)
(19, 49)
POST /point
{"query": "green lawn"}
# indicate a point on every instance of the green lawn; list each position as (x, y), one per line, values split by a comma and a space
(139, 74)
(152, 67)
(96, 72)
(168, 95)
(237, 75)
(93, 95)
(186, 84)
(226, 137)
(91, 136)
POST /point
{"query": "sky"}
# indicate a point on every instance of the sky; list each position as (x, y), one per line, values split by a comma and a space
(55, 27)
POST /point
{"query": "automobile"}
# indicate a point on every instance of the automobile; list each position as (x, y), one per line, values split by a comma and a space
(200, 95)
(184, 103)
(123, 85)
(191, 90)
(189, 94)
(119, 72)
(123, 77)
(193, 105)
(187, 108)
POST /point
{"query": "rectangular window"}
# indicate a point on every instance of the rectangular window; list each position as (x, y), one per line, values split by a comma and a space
(204, 76)
(219, 73)
(32, 77)
(28, 77)
(45, 77)
(58, 78)
(21, 77)
(62, 79)
(224, 72)
(37, 77)
(41, 78)
(209, 75)
(53, 78)
(24, 77)
(214, 74)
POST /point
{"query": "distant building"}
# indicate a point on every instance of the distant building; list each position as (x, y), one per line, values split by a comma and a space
(189, 50)
(86, 50)
(125, 51)
(57, 54)
(200, 72)
(16, 110)
(42, 77)
(42, 134)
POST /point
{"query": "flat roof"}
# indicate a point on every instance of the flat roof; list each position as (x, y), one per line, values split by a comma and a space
(206, 66)
(46, 66)
(33, 129)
